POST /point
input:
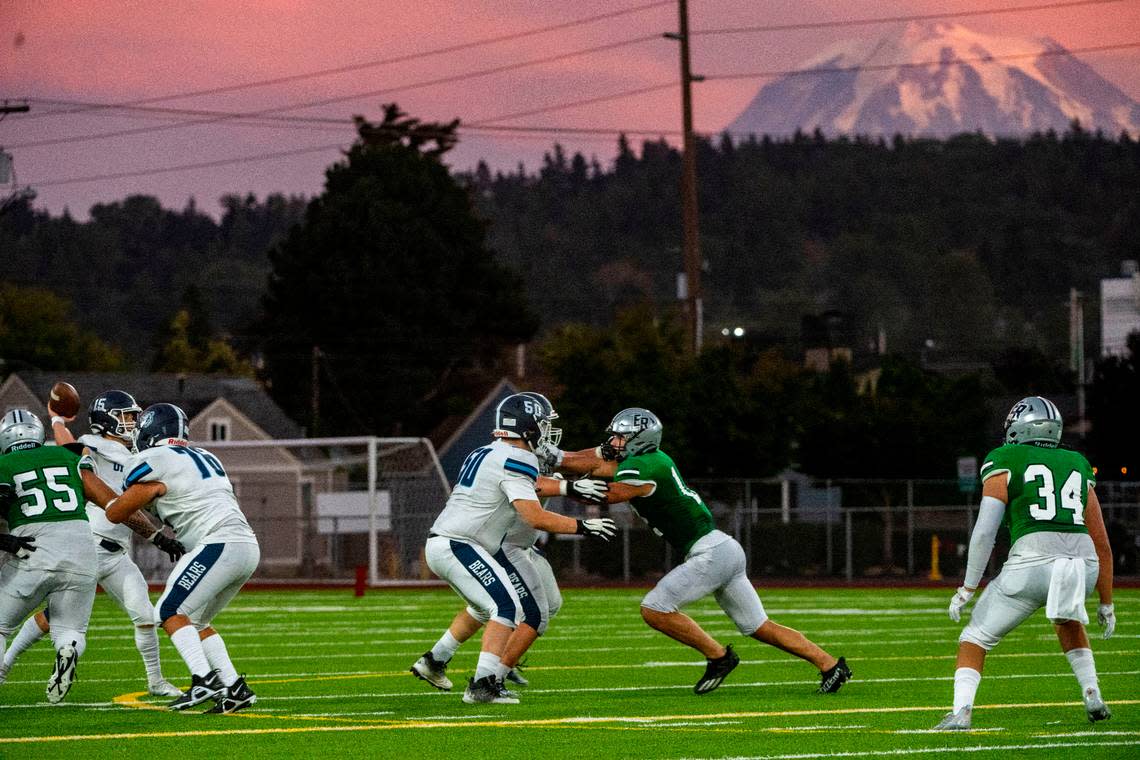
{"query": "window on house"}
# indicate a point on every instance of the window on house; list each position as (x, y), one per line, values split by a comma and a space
(219, 430)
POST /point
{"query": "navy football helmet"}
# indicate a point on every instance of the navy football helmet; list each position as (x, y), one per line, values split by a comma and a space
(550, 434)
(520, 416)
(160, 423)
(115, 413)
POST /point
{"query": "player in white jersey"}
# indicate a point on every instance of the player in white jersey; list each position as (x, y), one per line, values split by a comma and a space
(192, 494)
(113, 418)
(534, 579)
(496, 483)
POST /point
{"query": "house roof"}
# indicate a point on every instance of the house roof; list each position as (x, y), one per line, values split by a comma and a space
(192, 392)
(474, 431)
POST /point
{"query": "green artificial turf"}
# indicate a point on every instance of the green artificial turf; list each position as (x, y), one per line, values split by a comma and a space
(331, 674)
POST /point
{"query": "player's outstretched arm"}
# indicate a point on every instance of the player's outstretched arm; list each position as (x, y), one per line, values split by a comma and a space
(587, 462)
(133, 499)
(620, 492)
(100, 494)
(552, 522)
(584, 489)
(59, 429)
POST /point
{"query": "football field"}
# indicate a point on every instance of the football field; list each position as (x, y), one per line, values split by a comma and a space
(331, 674)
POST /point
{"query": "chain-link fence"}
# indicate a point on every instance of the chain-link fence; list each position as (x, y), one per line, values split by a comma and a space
(320, 512)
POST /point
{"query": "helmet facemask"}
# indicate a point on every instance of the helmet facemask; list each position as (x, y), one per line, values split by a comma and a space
(127, 427)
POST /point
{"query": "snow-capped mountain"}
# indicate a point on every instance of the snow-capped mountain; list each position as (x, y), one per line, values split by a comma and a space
(991, 90)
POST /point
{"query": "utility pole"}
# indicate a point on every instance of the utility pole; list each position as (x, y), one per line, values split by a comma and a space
(315, 391)
(1077, 353)
(690, 233)
(7, 172)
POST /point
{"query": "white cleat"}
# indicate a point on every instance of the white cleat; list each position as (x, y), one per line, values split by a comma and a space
(62, 675)
(429, 669)
(1095, 706)
(956, 721)
(163, 688)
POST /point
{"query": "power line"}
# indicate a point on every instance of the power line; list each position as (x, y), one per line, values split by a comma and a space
(919, 64)
(838, 23)
(83, 107)
(341, 98)
(486, 127)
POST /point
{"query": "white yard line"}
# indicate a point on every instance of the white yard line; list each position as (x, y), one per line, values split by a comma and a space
(921, 751)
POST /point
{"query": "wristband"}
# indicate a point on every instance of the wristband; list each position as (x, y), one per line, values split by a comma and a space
(598, 452)
(562, 486)
(57, 420)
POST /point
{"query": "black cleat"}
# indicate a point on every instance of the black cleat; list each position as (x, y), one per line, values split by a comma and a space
(234, 698)
(201, 689)
(831, 680)
(488, 690)
(717, 670)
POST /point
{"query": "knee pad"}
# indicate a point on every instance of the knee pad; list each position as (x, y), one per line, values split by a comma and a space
(975, 635)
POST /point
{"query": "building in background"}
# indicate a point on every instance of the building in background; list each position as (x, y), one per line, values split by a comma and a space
(1119, 309)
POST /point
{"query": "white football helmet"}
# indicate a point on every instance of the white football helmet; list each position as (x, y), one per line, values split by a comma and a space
(20, 429)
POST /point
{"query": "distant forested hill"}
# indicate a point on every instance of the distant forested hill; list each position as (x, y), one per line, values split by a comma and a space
(126, 269)
(968, 242)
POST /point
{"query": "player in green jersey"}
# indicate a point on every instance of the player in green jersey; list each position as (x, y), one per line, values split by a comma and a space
(42, 501)
(43, 490)
(1059, 552)
(647, 478)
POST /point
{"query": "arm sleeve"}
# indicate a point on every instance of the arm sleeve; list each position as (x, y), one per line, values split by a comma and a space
(75, 448)
(982, 539)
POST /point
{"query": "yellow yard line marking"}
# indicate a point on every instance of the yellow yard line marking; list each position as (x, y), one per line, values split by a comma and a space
(131, 700)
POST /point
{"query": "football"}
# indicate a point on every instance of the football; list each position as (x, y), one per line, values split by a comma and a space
(64, 400)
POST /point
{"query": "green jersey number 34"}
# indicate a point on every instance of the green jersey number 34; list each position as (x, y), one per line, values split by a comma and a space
(1071, 493)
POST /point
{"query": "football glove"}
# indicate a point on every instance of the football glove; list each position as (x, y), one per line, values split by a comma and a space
(1106, 616)
(598, 527)
(172, 546)
(585, 489)
(549, 454)
(961, 598)
(21, 546)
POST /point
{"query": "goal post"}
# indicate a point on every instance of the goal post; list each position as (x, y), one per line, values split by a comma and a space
(312, 501)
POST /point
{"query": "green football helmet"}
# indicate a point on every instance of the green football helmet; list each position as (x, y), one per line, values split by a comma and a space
(640, 429)
(20, 429)
(1034, 420)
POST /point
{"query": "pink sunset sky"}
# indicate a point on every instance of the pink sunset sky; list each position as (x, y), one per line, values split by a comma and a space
(114, 52)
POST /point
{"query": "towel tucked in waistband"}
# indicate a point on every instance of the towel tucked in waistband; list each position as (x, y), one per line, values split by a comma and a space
(1066, 600)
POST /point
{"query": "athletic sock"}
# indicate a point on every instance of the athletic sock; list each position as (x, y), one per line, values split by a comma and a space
(966, 682)
(28, 634)
(488, 665)
(219, 658)
(146, 641)
(445, 648)
(1084, 668)
(189, 646)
